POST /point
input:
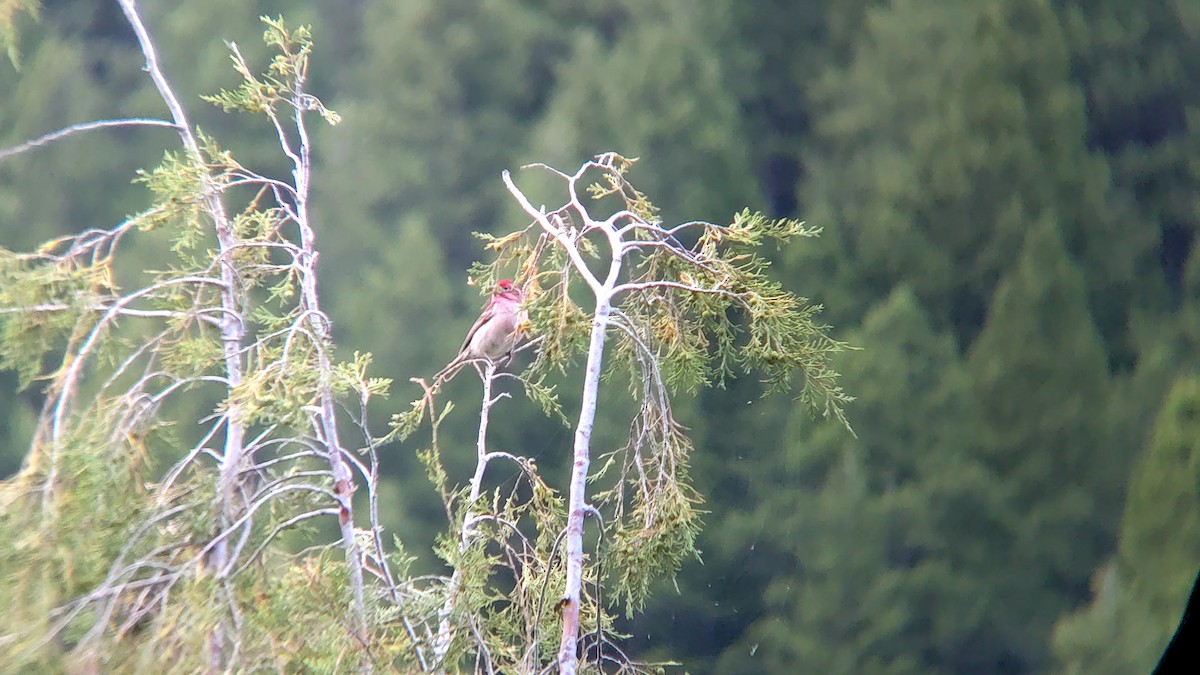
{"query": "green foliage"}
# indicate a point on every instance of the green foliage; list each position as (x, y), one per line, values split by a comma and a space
(44, 297)
(1138, 597)
(640, 555)
(177, 186)
(864, 521)
(928, 140)
(1038, 358)
(679, 318)
(1115, 633)
(446, 97)
(264, 94)
(684, 312)
(697, 140)
(10, 10)
(101, 540)
(1139, 68)
(64, 534)
(313, 592)
(987, 100)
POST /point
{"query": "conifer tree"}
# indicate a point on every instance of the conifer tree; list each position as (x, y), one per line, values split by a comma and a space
(952, 131)
(1040, 376)
(655, 56)
(874, 549)
(1139, 67)
(135, 541)
(663, 305)
(112, 558)
(1138, 597)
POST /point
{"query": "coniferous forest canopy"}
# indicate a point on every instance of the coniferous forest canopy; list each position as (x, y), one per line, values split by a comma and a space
(1008, 197)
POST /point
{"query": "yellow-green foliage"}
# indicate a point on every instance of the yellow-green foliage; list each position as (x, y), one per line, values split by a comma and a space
(683, 321)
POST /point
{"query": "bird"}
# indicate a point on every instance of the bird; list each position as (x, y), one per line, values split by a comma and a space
(494, 334)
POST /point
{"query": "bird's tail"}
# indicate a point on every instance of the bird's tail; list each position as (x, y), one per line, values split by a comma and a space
(446, 374)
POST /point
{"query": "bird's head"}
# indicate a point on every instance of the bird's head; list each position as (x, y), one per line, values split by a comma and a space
(508, 290)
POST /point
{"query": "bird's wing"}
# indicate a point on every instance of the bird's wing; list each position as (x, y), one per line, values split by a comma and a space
(489, 310)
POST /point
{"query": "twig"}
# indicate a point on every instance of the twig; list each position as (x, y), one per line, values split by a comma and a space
(5, 153)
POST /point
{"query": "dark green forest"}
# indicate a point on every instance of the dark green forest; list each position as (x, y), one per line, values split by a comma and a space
(1008, 193)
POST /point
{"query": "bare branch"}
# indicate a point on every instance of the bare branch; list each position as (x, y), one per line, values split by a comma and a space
(232, 326)
(554, 231)
(299, 518)
(5, 153)
(690, 288)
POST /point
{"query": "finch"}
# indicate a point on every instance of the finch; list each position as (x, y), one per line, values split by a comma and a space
(495, 331)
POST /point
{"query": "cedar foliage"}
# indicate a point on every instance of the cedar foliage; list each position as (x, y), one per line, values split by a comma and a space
(930, 141)
(138, 543)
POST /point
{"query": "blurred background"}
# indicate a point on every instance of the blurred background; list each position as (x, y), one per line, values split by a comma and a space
(1010, 194)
